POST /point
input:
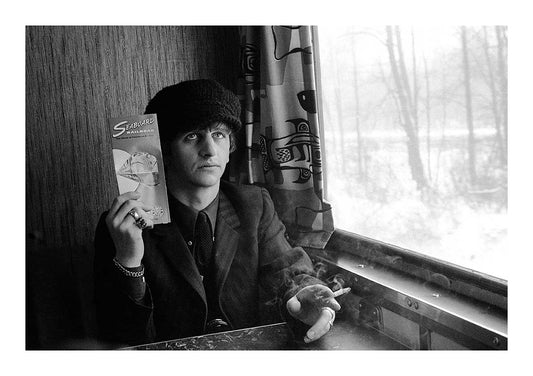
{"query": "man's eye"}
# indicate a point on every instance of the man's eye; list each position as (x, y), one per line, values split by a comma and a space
(191, 137)
(219, 135)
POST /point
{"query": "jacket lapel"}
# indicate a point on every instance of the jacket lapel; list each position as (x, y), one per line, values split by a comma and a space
(226, 240)
(169, 242)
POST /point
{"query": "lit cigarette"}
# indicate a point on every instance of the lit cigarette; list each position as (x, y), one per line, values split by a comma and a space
(341, 292)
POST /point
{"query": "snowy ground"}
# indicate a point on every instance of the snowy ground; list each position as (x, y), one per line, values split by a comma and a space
(448, 224)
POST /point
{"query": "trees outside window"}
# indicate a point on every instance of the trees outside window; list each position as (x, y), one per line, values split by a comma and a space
(415, 126)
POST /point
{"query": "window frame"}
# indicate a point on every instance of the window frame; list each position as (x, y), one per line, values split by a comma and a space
(425, 311)
(479, 287)
(454, 278)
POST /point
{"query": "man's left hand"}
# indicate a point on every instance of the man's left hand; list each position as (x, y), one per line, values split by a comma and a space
(314, 305)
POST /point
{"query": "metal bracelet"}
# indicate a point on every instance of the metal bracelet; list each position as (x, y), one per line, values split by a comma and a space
(125, 271)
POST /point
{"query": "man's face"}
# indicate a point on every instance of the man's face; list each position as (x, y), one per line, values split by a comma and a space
(198, 158)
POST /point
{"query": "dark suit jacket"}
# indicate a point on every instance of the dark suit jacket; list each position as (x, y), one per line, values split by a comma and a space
(256, 272)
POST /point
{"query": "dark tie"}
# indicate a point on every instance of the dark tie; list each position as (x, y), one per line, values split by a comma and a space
(202, 256)
(203, 242)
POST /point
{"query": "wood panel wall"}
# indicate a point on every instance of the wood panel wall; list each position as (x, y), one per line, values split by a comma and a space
(76, 78)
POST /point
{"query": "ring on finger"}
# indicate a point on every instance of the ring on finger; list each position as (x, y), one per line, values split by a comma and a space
(332, 313)
(141, 223)
(135, 215)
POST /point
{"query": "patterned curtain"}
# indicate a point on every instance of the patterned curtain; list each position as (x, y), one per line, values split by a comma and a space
(282, 131)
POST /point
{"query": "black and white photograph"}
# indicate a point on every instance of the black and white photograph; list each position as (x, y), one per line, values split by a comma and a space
(325, 192)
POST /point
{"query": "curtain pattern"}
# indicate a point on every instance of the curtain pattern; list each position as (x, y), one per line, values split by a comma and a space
(282, 129)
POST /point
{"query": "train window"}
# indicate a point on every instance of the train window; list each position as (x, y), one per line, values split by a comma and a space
(415, 123)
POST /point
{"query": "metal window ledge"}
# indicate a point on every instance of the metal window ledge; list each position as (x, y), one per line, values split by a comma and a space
(441, 318)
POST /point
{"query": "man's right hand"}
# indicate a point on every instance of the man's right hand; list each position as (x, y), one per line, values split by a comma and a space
(126, 236)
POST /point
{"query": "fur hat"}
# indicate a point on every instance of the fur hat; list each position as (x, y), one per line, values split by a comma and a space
(194, 104)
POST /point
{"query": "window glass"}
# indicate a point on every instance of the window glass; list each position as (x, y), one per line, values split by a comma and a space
(415, 123)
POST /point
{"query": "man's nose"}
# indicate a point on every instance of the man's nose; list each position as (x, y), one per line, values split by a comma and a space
(208, 146)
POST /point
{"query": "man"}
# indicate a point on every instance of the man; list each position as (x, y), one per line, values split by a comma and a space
(223, 262)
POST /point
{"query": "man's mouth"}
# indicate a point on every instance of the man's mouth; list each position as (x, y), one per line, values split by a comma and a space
(208, 166)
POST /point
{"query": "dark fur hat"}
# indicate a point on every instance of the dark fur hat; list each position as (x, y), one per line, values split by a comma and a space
(194, 104)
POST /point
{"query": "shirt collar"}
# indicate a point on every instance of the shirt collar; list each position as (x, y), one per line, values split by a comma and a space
(186, 219)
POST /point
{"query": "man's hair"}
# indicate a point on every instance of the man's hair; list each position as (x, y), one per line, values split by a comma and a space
(194, 104)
